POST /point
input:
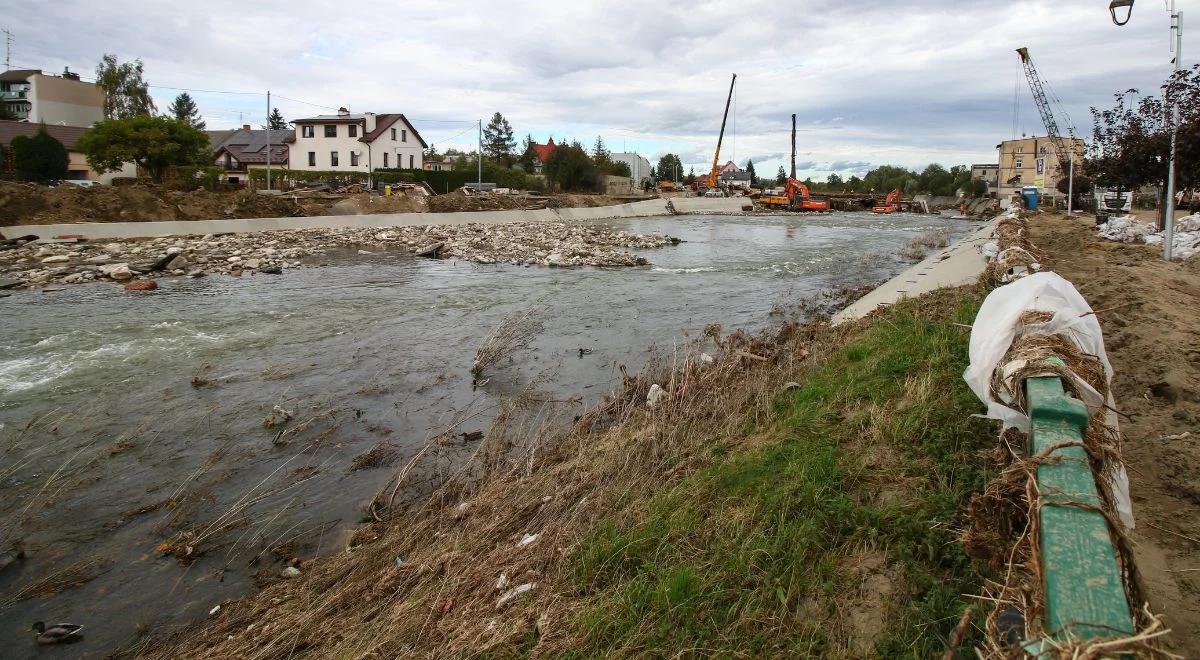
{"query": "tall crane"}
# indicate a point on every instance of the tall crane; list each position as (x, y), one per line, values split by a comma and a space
(712, 176)
(1043, 106)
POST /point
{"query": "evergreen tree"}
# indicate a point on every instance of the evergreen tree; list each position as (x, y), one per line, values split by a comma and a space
(275, 121)
(781, 176)
(125, 93)
(498, 141)
(601, 154)
(184, 109)
(669, 167)
(528, 160)
(751, 172)
(39, 158)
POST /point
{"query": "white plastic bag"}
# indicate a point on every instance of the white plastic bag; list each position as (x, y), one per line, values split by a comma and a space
(995, 328)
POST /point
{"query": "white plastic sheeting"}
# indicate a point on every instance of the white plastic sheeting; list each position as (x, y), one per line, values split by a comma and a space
(1128, 229)
(994, 330)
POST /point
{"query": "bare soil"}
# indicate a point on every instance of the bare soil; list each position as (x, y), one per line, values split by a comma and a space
(1150, 314)
(32, 204)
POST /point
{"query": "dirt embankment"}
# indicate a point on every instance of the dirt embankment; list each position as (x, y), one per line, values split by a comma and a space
(1148, 309)
(31, 204)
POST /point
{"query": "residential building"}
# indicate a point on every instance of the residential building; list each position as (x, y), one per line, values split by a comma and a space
(989, 173)
(541, 153)
(355, 143)
(729, 166)
(443, 165)
(77, 166)
(245, 149)
(1033, 162)
(639, 167)
(65, 100)
(735, 179)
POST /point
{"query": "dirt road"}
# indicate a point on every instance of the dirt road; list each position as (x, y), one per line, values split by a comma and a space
(1150, 312)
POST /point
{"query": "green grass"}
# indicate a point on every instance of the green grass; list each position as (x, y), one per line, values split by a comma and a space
(748, 555)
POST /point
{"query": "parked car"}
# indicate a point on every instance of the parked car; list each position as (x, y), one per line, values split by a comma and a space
(82, 183)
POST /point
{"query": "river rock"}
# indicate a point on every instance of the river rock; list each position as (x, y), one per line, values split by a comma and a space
(142, 285)
(271, 270)
(56, 259)
(180, 262)
(251, 264)
(98, 259)
(119, 272)
(556, 259)
(113, 248)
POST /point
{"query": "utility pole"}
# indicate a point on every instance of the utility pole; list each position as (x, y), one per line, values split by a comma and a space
(1071, 185)
(480, 154)
(793, 145)
(268, 139)
(1169, 224)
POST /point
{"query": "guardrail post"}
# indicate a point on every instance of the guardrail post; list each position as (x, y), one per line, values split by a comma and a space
(1085, 597)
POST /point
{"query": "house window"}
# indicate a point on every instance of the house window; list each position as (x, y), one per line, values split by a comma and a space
(393, 135)
(403, 136)
(228, 161)
(385, 155)
(1020, 150)
(333, 159)
(312, 159)
(307, 131)
(410, 161)
(353, 130)
(353, 158)
(1020, 163)
(330, 130)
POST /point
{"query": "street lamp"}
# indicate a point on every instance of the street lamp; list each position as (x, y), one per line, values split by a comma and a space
(1127, 5)
(1170, 108)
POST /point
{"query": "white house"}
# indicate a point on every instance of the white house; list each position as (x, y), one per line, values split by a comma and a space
(639, 166)
(355, 143)
(36, 97)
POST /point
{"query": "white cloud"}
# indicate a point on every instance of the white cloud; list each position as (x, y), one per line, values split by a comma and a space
(871, 81)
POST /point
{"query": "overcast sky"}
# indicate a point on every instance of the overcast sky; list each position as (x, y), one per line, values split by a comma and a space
(872, 82)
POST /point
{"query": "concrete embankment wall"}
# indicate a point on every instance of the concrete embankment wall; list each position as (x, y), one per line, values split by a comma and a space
(117, 230)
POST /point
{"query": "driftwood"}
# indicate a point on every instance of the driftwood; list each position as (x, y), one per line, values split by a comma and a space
(431, 251)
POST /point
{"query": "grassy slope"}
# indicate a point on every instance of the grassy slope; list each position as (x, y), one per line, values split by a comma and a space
(858, 481)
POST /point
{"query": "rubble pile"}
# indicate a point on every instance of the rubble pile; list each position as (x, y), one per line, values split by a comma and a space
(1127, 229)
(35, 263)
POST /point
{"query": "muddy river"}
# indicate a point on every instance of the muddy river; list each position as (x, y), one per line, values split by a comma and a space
(232, 420)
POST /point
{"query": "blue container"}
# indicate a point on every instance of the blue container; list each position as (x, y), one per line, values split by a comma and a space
(1030, 195)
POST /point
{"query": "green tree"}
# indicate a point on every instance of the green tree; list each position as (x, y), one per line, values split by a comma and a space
(275, 121)
(126, 94)
(528, 160)
(498, 143)
(691, 177)
(751, 172)
(854, 184)
(781, 176)
(184, 109)
(600, 154)
(834, 181)
(40, 157)
(154, 143)
(570, 167)
(670, 168)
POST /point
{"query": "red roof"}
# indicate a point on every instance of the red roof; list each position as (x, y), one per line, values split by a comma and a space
(543, 150)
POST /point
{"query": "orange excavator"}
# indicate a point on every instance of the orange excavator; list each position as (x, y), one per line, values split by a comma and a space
(890, 204)
(795, 197)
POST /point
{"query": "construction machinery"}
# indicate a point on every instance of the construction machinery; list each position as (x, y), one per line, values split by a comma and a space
(890, 204)
(1043, 105)
(712, 176)
(795, 197)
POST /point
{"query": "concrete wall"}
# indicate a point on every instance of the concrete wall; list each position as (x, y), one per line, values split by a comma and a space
(710, 204)
(62, 101)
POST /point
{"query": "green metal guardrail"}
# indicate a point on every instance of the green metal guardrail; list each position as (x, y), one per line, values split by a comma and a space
(1085, 597)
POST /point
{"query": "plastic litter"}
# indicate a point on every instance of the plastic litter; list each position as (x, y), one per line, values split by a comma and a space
(655, 395)
(512, 594)
(526, 540)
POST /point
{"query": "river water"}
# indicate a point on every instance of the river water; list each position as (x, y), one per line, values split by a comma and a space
(127, 419)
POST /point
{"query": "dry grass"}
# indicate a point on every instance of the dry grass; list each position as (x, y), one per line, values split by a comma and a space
(514, 333)
(918, 247)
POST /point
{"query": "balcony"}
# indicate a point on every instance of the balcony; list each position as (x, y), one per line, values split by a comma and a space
(14, 96)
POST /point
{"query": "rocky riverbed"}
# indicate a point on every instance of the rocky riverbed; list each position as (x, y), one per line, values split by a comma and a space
(554, 244)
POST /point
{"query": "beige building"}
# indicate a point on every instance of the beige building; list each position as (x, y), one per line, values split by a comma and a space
(65, 100)
(77, 166)
(1034, 162)
(988, 172)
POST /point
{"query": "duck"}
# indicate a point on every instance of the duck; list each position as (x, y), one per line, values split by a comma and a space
(59, 633)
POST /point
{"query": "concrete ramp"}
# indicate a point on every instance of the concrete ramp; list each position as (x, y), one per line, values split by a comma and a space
(701, 205)
(955, 265)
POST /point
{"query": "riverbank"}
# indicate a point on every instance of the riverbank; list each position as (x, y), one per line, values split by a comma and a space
(741, 512)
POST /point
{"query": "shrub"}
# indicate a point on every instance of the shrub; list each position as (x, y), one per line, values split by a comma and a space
(39, 158)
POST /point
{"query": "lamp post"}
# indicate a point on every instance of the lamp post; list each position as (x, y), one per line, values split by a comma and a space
(1170, 109)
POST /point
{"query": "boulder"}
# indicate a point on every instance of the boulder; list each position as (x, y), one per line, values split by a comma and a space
(119, 272)
(98, 259)
(180, 262)
(56, 259)
(113, 248)
(251, 264)
(142, 285)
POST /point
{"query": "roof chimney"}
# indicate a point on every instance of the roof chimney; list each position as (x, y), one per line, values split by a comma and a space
(245, 127)
(343, 112)
(68, 75)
